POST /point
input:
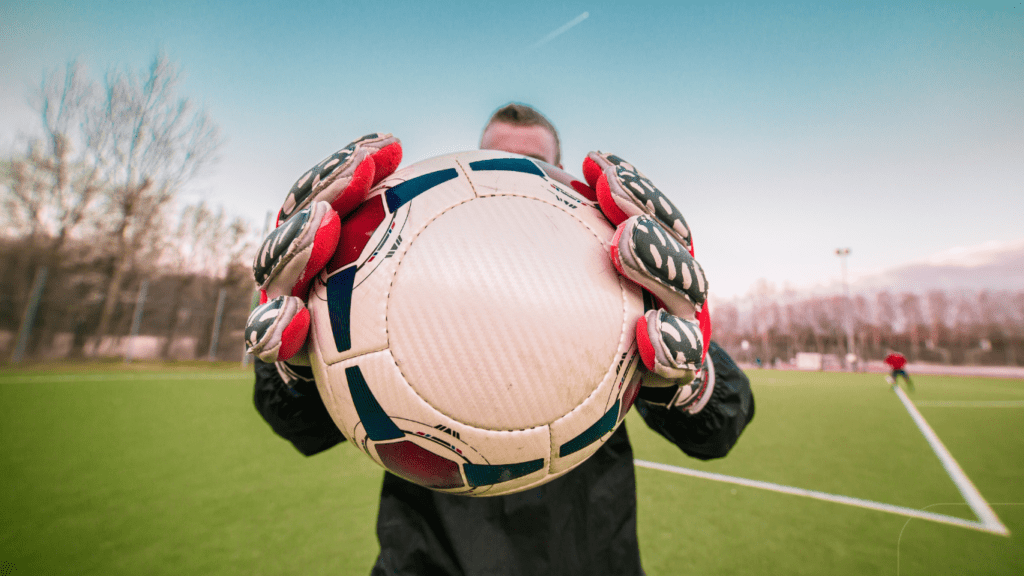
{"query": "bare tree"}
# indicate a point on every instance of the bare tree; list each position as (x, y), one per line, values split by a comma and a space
(861, 311)
(955, 328)
(149, 144)
(50, 190)
(821, 318)
(206, 243)
(52, 186)
(726, 324)
(884, 317)
(109, 161)
(910, 305)
(764, 314)
(999, 323)
(1016, 307)
(938, 311)
(965, 327)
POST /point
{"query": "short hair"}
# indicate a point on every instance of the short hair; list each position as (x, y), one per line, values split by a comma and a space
(518, 114)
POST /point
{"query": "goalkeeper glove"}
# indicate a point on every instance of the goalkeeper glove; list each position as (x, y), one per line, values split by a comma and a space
(308, 232)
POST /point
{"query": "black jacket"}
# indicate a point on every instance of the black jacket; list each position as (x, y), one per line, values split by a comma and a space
(583, 522)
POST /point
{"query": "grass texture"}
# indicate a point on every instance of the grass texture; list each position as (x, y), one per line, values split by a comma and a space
(169, 470)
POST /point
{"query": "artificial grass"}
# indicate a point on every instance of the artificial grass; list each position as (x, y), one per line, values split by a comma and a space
(172, 473)
(844, 434)
(151, 470)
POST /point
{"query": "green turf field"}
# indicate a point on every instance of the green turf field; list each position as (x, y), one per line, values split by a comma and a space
(158, 470)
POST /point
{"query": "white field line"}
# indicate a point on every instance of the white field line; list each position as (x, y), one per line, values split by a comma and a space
(963, 483)
(970, 404)
(989, 521)
(848, 500)
(907, 523)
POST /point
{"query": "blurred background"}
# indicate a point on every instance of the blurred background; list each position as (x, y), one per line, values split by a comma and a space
(852, 172)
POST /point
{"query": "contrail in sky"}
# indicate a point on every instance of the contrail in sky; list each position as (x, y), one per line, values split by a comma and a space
(561, 30)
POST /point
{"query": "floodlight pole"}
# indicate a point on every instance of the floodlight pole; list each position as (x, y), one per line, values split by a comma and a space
(843, 253)
(140, 305)
(29, 317)
(246, 357)
(215, 336)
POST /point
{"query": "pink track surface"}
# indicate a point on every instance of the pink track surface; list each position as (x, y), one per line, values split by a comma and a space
(1016, 372)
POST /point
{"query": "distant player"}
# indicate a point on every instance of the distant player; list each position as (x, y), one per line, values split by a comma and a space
(896, 361)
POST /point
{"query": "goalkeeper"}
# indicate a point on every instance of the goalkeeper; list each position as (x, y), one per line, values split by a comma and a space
(581, 523)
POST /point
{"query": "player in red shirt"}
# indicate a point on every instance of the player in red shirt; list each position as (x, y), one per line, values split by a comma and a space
(896, 361)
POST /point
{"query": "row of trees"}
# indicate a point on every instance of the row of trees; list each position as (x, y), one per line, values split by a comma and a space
(939, 326)
(92, 250)
(90, 216)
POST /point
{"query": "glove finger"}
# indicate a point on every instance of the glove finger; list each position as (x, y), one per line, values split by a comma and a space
(277, 330)
(592, 171)
(295, 252)
(343, 178)
(623, 191)
(670, 346)
(642, 251)
(386, 158)
(690, 396)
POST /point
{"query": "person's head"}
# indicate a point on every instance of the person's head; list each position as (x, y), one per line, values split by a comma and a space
(520, 129)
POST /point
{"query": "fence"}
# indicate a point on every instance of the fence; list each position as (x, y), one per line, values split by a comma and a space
(55, 313)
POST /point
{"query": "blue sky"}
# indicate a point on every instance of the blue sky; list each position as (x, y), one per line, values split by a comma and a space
(782, 130)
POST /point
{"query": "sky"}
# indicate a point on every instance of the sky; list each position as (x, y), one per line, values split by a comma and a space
(782, 130)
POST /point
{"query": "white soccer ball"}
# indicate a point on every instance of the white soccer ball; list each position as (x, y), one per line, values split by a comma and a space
(472, 335)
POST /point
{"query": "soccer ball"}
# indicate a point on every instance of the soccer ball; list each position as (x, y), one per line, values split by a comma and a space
(471, 334)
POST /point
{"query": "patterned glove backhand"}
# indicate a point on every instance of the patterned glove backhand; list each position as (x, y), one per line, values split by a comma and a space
(343, 178)
(652, 246)
(277, 330)
(295, 252)
(309, 227)
(691, 396)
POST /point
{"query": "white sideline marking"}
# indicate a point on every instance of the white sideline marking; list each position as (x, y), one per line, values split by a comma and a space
(989, 521)
(848, 500)
(970, 404)
(967, 489)
(905, 524)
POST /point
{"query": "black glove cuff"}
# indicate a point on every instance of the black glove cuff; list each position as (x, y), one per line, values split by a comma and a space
(298, 379)
(657, 395)
(690, 398)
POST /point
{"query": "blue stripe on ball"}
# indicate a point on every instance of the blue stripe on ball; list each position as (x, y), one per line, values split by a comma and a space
(410, 189)
(508, 165)
(486, 474)
(592, 434)
(339, 306)
(377, 424)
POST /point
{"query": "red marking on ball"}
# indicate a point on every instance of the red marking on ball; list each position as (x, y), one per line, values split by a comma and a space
(420, 465)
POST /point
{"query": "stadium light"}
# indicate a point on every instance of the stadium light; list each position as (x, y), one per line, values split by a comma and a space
(843, 253)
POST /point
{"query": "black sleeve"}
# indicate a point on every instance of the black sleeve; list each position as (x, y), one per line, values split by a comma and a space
(713, 431)
(296, 413)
